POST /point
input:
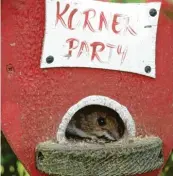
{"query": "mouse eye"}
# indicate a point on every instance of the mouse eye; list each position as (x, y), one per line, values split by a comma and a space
(101, 121)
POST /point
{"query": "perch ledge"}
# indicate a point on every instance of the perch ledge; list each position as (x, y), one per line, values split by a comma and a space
(125, 157)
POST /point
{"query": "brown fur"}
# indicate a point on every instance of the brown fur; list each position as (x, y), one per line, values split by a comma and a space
(86, 120)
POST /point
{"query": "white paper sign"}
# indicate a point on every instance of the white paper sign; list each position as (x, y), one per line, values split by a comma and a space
(95, 34)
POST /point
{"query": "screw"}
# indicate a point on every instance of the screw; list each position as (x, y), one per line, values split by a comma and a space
(10, 68)
(147, 69)
(49, 59)
(153, 12)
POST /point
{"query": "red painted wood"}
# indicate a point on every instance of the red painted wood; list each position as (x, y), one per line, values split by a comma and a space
(34, 100)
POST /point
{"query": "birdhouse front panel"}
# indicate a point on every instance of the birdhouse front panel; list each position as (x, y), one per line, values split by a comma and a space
(61, 57)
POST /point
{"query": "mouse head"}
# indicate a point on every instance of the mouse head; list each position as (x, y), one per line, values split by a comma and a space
(108, 126)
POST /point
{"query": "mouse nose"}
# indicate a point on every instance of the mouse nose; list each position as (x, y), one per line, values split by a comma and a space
(115, 134)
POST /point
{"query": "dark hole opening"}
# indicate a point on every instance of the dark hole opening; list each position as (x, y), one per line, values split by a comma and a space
(160, 154)
(40, 156)
(95, 123)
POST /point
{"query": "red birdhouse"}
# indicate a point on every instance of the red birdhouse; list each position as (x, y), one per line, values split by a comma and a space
(61, 57)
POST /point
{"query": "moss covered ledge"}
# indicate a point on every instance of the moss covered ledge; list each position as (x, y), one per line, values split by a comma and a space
(133, 156)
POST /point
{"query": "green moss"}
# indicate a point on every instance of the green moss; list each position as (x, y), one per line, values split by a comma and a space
(113, 159)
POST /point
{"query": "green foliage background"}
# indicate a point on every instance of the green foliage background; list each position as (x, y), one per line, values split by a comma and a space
(10, 165)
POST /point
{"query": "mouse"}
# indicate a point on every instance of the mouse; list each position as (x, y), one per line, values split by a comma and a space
(96, 122)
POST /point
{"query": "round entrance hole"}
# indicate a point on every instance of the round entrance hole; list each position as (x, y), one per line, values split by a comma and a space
(95, 122)
(106, 104)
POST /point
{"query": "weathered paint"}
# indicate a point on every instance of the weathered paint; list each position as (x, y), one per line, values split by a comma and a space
(34, 100)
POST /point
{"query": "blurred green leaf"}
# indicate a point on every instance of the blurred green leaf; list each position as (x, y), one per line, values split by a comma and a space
(168, 168)
(21, 169)
(5, 158)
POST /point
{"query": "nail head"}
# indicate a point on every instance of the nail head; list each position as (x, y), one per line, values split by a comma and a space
(153, 12)
(147, 69)
(49, 59)
(10, 68)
